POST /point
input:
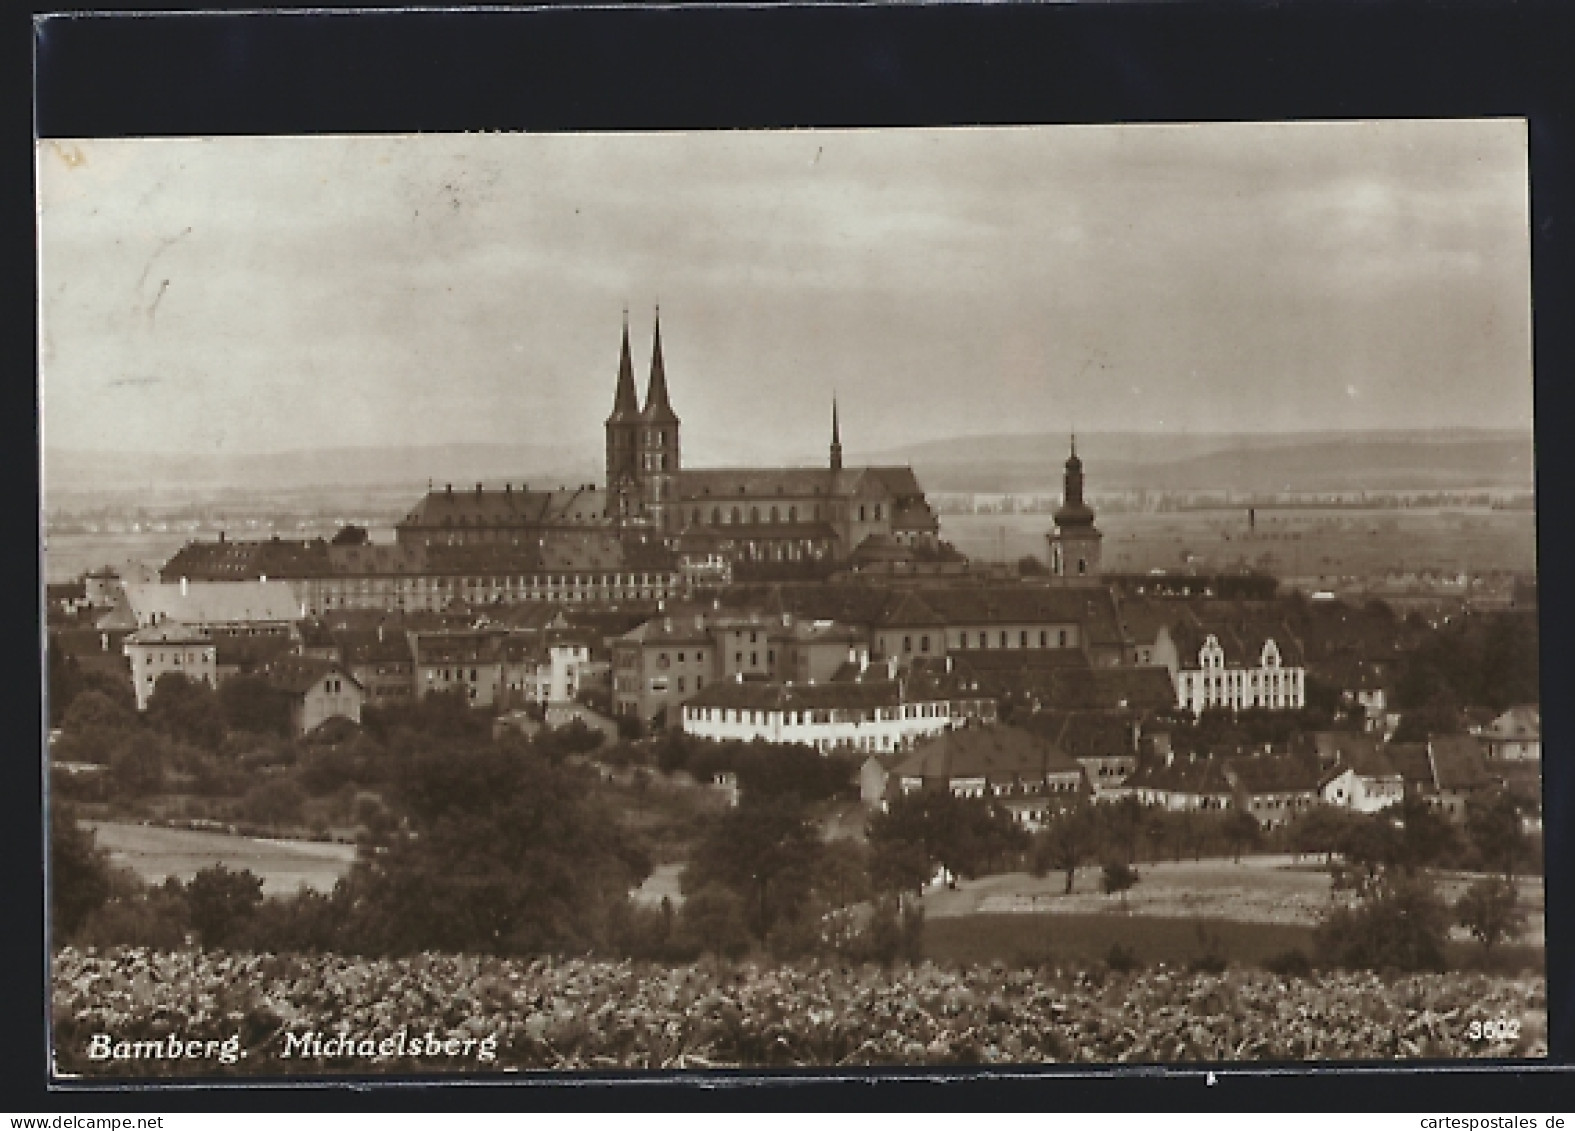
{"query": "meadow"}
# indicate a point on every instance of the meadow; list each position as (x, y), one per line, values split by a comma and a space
(285, 866)
(1299, 542)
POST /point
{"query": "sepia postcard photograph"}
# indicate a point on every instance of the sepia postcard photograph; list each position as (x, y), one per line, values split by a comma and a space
(827, 599)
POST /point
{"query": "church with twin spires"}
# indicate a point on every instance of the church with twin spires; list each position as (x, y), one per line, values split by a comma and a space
(870, 516)
(750, 513)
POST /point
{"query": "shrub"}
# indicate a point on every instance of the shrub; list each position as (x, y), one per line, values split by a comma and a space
(1400, 925)
(1292, 963)
(1123, 960)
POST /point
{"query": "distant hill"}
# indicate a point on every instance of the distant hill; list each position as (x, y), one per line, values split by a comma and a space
(67, 471)
(1372, 461)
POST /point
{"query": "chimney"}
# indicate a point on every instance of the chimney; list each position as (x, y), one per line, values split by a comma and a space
(183, 587)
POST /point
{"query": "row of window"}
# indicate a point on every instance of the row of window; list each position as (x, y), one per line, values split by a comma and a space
(191, 658)
(822, 717)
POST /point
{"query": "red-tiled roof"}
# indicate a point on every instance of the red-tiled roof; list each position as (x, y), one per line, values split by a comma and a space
(1457, 762)
(760, 696)
(1000, 755)
(299, 674)
(1274, 773)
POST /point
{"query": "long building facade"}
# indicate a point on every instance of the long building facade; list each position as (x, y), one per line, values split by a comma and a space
(748, 514)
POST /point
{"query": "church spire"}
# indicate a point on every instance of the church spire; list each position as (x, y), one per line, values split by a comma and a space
(836, 437)
(656, 407)
(625, 404)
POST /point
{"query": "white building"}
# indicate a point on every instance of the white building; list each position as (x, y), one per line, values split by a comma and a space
(232, 608)
(869, 715)
(1239, 671)
(1515, 736)
(176, 648)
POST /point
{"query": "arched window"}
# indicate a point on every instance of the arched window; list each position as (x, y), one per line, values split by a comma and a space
(736, 518)
(716, 516)
(792, 514)
(773, 514)
(754, 516)
(696, 519)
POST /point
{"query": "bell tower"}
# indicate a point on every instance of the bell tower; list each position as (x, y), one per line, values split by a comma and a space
(1075, 541)
(623, 431)
(658, 449)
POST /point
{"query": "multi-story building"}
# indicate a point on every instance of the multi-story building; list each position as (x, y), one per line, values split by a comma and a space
(169, 647)
(579, 567)
(219, 608)
(867, 715)
(1239, 667)
(1274, 788)
(661, 663)
(317, 690)
(1026, 774)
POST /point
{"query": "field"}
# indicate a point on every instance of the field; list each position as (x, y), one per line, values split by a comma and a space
(284, 865)
(577, 1014)
(1264, 890)
(1301, 542)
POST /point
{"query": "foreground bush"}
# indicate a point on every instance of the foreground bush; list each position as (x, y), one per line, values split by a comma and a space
(581, 1014)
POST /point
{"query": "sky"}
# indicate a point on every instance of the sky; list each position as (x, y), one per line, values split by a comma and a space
(280, 294)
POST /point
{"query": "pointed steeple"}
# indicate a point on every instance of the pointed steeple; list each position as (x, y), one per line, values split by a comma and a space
(836, 437)
(657, 410)
(626, 407)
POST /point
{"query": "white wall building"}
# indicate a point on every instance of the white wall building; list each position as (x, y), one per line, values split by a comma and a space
(176, 648)
(1239, 682)
(869, 716)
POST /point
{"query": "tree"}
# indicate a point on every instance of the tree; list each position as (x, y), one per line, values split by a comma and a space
(713, 921)
(766, 852)
(504, 853)
(899, 866)
(1118, 878)
(1241, 831)
(186, 710)
(966, 836)
(1493, 825)
(1030, 566)
(275, 802)
(79, 875)
(1490, 910)
(1426, 838)
(1068, 842)
(1370, 844)
(249, 703)
(1400, 924)
(1124, 823)
(1423, 722)
(1319, 830)
(222, 903)
(93, 710)
(137, 768)
(64, 683)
